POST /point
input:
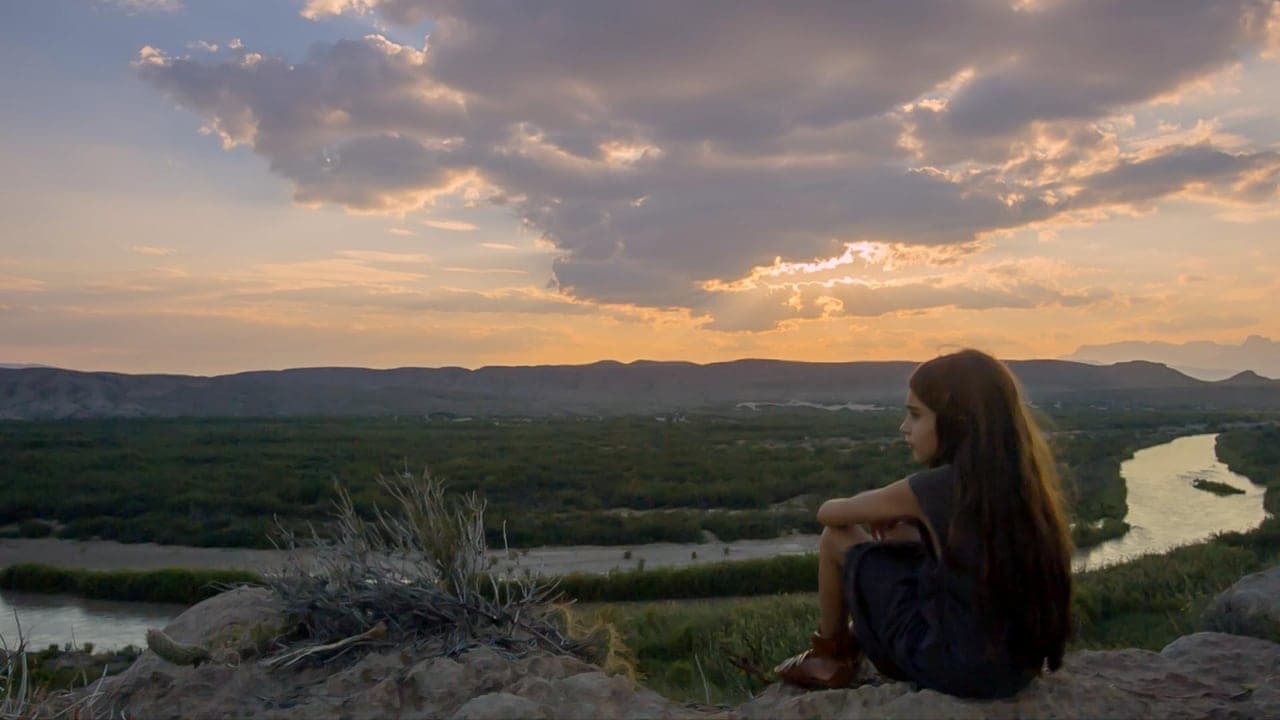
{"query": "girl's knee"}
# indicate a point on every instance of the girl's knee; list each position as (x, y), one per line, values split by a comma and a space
(903, 531)
(835, 541)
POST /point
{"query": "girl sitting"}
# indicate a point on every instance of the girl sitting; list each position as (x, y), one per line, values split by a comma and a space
(961, 581)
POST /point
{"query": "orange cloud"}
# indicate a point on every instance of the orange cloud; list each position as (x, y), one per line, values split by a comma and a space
(151, 250)
(454, 225)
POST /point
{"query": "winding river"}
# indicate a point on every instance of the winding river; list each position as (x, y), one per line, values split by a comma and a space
(1165, 511)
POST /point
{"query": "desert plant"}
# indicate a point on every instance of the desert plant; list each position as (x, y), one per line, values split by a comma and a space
(21, 696)
(421, 570)
(15, 682)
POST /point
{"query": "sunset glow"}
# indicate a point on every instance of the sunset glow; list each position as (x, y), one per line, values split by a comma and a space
(207, 186)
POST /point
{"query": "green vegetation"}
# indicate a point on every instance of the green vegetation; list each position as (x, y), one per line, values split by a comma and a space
(780, 574)
(172, 585)
(553, 481)
(718, 649)
(1255, 453)
(1215, 487)
(63, 668)
(35, 529)
(216, 482)
(1086, 534)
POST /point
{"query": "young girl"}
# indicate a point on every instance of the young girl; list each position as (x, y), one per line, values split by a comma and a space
(962, 580)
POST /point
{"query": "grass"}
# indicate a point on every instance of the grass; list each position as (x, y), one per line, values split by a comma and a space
(172, 585)
(720, 650)
(716, 650)
(780, 574)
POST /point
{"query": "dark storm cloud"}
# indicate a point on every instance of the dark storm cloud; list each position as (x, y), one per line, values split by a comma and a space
(661, 145)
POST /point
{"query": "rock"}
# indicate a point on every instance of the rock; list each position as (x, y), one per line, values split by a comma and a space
(501, 706)
(493, 670)
(596, 695)
(1202, 675)
(553, 667)
(175, 652)
(443, 682)
(217, 623)
(1250, 607)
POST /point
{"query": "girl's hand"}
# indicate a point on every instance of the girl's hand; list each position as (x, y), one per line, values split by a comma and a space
(880, 529)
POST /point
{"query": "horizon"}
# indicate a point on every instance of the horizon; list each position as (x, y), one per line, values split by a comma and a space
(206, 187)
(1215, 374)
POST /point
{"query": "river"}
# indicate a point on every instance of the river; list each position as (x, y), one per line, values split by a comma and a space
(62, 619)
(1165, 511)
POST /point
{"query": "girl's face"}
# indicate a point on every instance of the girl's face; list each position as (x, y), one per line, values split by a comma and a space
(920, 430)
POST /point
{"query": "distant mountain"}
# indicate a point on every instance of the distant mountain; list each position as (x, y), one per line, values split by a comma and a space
(1201, 359)
(1248, 378)
(605, 388)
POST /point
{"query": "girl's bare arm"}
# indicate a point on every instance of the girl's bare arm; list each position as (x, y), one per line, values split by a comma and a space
(891, 502)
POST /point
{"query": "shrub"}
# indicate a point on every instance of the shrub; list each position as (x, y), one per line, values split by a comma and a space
(35, 529)
(168, 586)
(419, 567)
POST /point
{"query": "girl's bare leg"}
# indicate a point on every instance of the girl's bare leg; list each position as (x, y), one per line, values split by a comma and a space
(831, 662)
(831, 550)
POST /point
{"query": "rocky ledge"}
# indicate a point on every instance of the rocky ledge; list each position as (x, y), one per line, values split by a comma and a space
(1207, 674)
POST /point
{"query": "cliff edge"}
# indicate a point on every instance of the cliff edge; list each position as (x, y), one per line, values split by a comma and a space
(1206, 674)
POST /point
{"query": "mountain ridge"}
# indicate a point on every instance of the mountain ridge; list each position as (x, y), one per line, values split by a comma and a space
(1202, 359)
(602, 388)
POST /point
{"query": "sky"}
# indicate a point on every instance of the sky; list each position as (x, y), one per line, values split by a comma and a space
(206, 187)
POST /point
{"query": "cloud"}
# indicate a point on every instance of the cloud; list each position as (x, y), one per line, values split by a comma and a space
(328, 273)
(484, 271)
(662, 148)
(15, 283)
(134, 7)
(401, 232)
(454, 225)
(151, 250)
(504, 301)
(999, 286)
(378, 256)
(396, 302)
(317, 9)
(1201, 322)
(499, 246)
(190, 340)
(382, 283)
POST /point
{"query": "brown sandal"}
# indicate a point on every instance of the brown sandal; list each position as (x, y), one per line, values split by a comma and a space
(829, 663)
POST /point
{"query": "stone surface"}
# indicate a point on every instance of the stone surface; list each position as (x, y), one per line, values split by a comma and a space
(1202, 675)
(1250, 607)
(1197, 676)
(501, 706)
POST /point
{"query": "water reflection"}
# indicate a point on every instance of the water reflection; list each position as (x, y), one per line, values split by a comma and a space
(1165, 511)
(59, 619)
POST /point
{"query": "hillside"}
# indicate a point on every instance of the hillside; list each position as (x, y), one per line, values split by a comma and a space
(606, 388)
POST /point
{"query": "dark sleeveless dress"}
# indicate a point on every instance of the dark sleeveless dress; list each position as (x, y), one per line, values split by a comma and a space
(916, 618)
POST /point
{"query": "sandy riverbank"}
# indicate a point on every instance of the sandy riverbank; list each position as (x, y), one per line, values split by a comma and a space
(108, 555)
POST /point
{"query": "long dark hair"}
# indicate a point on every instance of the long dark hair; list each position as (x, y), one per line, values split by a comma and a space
(1008, 496)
